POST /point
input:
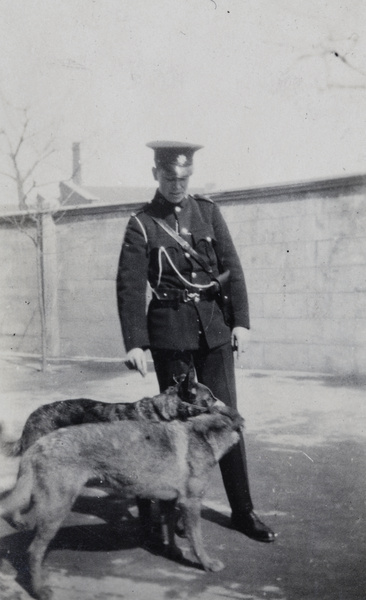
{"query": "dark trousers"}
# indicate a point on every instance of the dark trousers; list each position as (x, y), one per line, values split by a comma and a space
(214, 368)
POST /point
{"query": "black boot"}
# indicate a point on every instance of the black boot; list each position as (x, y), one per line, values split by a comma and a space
(249, 524)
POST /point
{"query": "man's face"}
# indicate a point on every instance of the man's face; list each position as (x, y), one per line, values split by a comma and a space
(172, 187)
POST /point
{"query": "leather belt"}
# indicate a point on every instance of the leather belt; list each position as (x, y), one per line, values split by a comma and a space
(169, 295)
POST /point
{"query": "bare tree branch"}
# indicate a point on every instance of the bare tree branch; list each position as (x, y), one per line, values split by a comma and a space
(31, 188)
(23, 156)
(22, 135)
(6, 135)
(20, 225)
(343, 50)
(8, 175)
(347, 63)
(39, 160)
(327, 52)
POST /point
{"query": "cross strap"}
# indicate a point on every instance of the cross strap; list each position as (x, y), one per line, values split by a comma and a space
(185, 245)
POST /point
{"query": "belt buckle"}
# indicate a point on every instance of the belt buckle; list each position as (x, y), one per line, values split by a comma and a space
(191, 296)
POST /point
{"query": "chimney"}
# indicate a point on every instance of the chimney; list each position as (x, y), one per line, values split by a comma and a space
(76, 164)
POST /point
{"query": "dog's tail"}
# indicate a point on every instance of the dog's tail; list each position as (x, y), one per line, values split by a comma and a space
(18, 500)
(9, 448)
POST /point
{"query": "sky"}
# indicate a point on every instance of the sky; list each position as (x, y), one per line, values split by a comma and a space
(274, 91)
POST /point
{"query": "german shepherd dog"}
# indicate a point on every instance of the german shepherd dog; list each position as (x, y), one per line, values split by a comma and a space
(169, 461)
(185, 399)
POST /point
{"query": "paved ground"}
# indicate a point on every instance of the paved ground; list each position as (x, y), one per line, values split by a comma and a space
(306, 442)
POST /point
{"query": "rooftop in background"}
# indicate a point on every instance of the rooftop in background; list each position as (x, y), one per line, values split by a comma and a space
(72, 194)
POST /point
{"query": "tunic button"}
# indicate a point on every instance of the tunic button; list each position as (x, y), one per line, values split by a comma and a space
(184, 230)
(186, 254)
(177, 209)
(194, 275)
(209, 239)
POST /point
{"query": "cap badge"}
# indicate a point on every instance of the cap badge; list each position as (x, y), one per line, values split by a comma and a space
(181, 160)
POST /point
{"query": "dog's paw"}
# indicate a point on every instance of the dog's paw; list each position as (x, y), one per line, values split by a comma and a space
(214, 565)
(180, 528)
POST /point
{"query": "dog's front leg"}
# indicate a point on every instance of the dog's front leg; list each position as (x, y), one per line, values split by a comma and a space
(36, 554)
(50, 515)
(191, 508)
(145, 517)
(168, 519)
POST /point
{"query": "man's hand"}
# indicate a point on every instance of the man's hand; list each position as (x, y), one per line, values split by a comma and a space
(136, 359)
(239, 340)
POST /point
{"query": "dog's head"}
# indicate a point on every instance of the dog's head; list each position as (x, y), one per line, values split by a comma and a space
(220, 430)
(189, 390)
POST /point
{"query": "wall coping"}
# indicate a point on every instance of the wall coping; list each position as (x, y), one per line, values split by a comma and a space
(276, 192)
(330, 187)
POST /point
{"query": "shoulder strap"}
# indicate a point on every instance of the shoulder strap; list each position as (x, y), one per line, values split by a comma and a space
(185, 245)
(203, 197)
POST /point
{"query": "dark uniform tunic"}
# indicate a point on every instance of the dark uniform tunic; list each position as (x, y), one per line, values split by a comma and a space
(149, 253)
(184, 320)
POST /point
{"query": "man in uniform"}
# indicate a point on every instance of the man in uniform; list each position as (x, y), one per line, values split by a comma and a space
(185, 321)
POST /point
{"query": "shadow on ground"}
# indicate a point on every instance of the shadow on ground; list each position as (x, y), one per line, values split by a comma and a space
(306, 445)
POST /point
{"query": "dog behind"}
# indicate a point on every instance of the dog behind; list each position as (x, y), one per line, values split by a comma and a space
(185, 399)
(169, 461)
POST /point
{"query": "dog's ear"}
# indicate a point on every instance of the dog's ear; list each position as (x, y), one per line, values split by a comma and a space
(187, 385)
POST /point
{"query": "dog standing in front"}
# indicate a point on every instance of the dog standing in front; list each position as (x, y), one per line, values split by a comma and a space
(187, 398)
(167, 461)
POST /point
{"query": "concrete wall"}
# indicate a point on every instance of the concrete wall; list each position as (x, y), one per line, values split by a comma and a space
(19, 306)
(88, 252)
(304, 256)
(302, 246)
